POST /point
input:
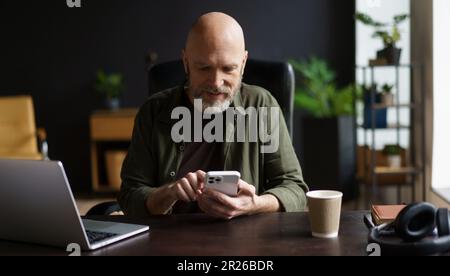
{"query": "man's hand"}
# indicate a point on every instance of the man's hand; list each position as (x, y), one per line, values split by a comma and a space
(246, 203)
(186, 189)
(189, 187)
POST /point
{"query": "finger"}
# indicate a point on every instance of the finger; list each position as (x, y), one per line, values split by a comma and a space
(201, 179)
(244, 186)
(192, 177)
(181, 194)
(219, 198)
(211, 207)
(188, 189)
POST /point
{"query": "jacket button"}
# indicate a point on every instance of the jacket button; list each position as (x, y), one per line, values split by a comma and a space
(181, 148)
(172, 174)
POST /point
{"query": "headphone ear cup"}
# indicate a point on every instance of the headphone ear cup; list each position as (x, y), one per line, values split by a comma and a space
(415, 221)
(442, 222)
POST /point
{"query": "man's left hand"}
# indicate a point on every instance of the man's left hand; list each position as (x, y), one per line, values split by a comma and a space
(223, 206)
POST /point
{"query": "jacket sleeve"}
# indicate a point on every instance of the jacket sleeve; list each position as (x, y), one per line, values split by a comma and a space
(282, 173)
(138, 168)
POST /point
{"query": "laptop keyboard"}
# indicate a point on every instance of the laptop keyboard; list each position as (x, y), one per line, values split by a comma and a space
(95, 236)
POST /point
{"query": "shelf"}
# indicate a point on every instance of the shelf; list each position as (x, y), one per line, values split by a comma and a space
(384, 106)
(385, 66)
(373, 165)
(112, 125)
(110, 136)
(401, 170)
(389, 127)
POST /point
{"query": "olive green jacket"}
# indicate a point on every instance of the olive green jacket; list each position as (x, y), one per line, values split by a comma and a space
(153, 158)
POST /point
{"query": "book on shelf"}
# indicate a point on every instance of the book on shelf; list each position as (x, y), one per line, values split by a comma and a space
(385, 213)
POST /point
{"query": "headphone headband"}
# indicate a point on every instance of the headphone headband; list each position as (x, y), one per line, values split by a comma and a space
(425, 247)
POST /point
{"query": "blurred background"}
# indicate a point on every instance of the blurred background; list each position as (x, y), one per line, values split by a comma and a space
(71, 59)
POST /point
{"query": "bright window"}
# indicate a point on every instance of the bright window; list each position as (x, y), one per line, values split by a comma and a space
(441, 94)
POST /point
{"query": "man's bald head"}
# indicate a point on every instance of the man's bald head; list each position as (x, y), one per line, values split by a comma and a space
(214, 59)
(216, 28)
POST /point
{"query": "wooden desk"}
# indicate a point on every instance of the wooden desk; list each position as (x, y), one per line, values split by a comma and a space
(277, 234)
(109, 130)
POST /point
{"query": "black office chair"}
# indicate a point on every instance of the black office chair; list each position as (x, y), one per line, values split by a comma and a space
(276, 77)
(104, 208)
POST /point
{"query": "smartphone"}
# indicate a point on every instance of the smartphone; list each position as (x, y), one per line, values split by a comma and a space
(223, 181)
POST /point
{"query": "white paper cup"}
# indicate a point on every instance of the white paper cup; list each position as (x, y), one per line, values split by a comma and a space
(324, 213)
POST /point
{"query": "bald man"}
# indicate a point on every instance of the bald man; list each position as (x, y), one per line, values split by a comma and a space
(161, 176)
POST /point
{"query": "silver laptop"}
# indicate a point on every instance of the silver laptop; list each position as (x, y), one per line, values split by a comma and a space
(37, 206)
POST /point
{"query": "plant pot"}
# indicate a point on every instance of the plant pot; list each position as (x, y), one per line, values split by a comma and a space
(394, 161)
(387, 99)
(112, 104)
(391, 54)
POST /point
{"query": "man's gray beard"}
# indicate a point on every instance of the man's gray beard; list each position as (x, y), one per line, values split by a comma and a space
(217, 106)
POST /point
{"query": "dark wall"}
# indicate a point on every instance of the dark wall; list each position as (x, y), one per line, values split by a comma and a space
(52, 52)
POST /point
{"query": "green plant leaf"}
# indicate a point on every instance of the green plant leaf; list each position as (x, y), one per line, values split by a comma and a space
(317, 92)
(343, 101)
(392, 150)
(308, 103)
(368, 20)
(389, 37)
(395, 34)
(400, 18)
(109, 85)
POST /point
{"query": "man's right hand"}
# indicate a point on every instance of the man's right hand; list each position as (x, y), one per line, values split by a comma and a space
(186, 189)
(190, 186)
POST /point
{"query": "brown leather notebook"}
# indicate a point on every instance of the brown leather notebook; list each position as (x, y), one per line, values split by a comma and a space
(385, 213)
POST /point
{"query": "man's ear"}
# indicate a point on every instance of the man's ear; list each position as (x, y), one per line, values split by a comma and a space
(185, 62)
(244, 62)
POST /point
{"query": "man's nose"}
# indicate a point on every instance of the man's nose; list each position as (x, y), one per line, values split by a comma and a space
(216, 79)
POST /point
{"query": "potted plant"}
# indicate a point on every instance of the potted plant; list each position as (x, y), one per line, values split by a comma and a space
(328, 130)
(318, 92)
(111, 87)
(393, 155)
(387, 96)
(390, 54)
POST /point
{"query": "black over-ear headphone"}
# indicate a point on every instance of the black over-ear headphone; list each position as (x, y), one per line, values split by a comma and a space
(414, 225)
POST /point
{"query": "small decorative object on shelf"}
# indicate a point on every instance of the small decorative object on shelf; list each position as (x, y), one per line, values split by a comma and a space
(390, 55)
(387, 96)
(111, 87)
(393, 155)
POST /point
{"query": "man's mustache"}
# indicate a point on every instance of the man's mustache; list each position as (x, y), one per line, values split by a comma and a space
(217, 90)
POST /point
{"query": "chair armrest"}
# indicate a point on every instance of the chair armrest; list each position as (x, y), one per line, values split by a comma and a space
(42, 134)
(42, 140)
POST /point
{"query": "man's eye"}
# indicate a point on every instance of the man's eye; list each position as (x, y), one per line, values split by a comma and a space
(228, 69)
(204, 68)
